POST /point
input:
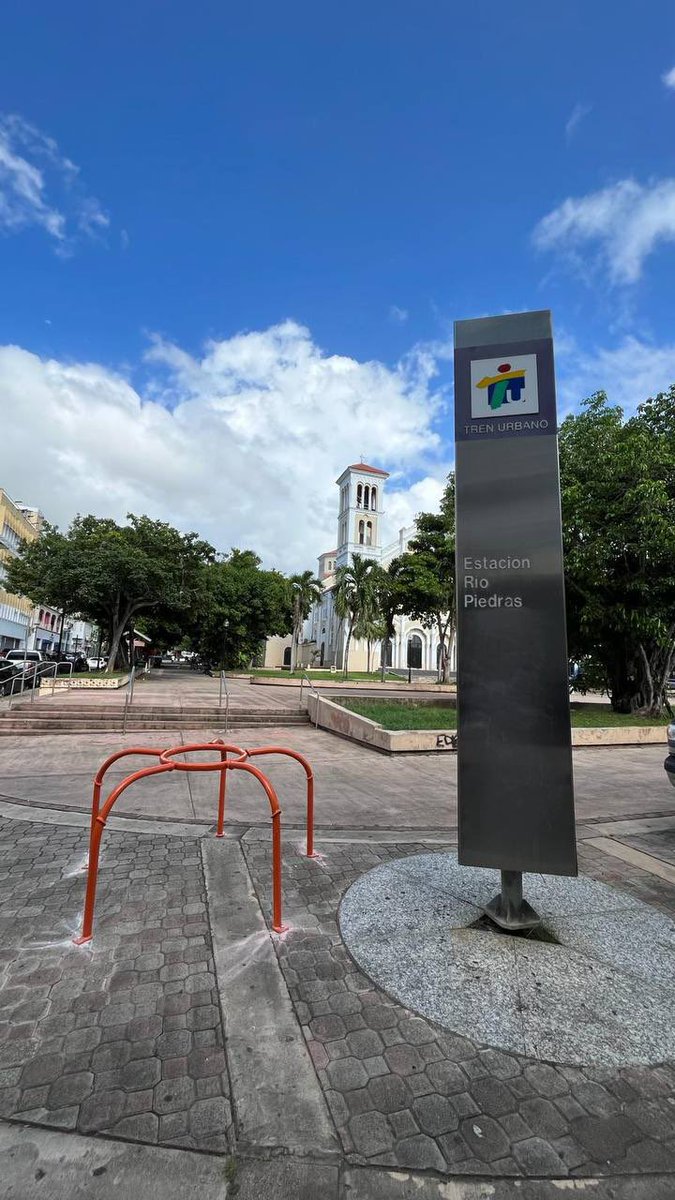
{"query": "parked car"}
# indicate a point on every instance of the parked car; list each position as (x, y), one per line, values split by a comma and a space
(77, 658)
(669, 764)
(28, 664)
(96, 664)
(10, 676)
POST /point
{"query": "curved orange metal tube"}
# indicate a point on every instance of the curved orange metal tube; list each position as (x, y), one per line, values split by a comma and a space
(98, 778)
(238, 765)
(97, 827)
(310, 787)
(224, 748)
(168, 763)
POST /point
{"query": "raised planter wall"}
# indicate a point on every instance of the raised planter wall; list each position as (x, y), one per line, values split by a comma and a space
(340, 720)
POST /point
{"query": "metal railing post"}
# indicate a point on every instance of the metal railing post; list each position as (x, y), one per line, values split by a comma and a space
(222, 687)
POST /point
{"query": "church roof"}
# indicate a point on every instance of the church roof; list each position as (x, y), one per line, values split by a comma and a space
(368, 470)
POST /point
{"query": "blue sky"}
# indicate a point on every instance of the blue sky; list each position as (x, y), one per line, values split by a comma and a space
(240, 237)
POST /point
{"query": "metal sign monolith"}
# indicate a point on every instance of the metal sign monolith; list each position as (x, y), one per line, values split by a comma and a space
(516, 805)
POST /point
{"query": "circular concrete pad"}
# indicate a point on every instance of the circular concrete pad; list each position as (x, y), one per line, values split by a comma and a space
(605, 995)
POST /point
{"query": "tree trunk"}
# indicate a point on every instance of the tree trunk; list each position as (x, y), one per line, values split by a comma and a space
(118, 629)
(345, 668)
(370, 650)
(443, 659)
(383, 663)
(113, 653)
(294, 649)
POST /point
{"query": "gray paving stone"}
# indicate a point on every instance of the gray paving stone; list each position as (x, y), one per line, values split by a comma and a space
(371, 1133)
(420, 1152)
(173, 1094)
(140, 1074)
(605, 1138)
(43, 1069)
(208, 1117)
(144, 1127)
(70, 1089)
(543, 1118)
(346, 1074)
(100, 1111)
(485, 1139)
(536, 1157)
(435, 1114)
(389, 1093)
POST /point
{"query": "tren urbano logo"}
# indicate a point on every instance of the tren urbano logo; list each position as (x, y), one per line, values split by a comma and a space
(503, 387)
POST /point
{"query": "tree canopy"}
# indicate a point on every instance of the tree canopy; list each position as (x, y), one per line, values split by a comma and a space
(241, 605)
(426, 573)
(618, 506)
(111, 574)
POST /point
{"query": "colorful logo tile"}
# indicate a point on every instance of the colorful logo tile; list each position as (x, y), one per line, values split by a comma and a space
(504, 387)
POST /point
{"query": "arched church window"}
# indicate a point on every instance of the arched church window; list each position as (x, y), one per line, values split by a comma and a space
(415, 651)
(359, 496)
(361, 532)
(373, 498)
(369, 533)
(366, 494)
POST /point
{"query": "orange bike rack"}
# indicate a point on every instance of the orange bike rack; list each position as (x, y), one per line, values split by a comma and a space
(310, 787)
(167, 762)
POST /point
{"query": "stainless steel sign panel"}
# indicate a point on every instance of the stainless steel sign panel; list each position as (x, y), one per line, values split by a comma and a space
(516, 807)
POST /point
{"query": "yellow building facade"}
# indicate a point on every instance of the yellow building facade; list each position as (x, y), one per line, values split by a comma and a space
(15, 611)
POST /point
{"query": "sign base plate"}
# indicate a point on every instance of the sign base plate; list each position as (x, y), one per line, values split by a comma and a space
(508, 910)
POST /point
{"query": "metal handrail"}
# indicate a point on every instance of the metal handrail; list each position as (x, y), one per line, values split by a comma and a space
(20, 683)
(128, 698)
(312, 687)
(223, 687)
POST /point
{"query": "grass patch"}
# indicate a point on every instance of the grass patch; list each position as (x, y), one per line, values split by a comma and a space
(407, 714)
(404, 714)
(599, 716)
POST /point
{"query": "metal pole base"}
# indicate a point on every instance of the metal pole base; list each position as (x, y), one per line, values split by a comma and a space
(508, 909)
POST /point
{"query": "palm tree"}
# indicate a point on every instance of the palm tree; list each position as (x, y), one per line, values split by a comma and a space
(305, 591)
(353, 597)
(388, 603)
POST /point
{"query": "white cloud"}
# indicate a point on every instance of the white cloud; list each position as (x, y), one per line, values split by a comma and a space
(625, 222)
(575, 118)
(242, 444)
(629, 372)
(398, 314)
(39, 186)
(669, 78)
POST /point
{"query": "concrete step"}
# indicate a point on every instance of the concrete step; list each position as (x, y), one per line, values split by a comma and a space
(13, 728)
(176, 718)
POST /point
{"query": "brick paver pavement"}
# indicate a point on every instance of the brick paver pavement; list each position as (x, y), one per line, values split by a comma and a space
(405, 1093)
(124, 1038)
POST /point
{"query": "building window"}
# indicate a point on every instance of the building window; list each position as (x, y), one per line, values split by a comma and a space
(359, 496)
(362, 533)
(366, 497)
(373, 498)
(369, 533)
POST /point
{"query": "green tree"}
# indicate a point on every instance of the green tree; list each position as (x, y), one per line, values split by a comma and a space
(353, 596)
(111, 573)
(618, 505)
(426, 574)
(305, 591)
(242, 605)
(388, 597)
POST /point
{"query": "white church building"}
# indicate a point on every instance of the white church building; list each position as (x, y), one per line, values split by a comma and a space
(361, 491)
